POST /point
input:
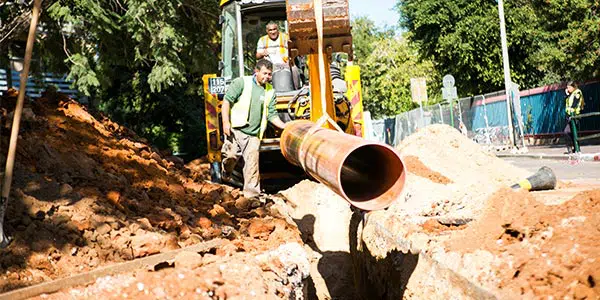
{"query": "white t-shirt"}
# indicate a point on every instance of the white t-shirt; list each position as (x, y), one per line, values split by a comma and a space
(274, 47)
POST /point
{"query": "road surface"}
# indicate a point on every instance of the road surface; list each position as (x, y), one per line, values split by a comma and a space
(563, 169)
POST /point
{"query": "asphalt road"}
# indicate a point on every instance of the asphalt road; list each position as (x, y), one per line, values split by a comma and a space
(563, 169)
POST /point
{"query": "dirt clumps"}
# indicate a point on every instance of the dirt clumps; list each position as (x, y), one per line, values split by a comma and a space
(275, 274)
(415, 166)
(434, 226)
(547, 250)
(88, 192)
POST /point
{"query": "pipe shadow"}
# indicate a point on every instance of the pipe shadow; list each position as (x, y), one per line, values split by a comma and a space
(334, 267)
(376, 277)
(357, 274)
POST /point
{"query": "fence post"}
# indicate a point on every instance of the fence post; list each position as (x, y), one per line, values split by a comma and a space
(451, 113)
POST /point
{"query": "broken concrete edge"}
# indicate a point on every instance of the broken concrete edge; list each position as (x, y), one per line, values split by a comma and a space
(447, 280)
(595, 157)
(90, 277)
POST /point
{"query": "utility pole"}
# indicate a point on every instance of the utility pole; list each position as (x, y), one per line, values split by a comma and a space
(507, 81)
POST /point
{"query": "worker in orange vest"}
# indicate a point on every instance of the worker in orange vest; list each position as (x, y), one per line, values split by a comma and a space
(273, 46)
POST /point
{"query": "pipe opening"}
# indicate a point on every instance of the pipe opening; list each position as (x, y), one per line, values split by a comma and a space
(369, 172)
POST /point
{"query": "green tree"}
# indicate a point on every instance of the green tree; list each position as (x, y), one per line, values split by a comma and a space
(548, 40)
(386, 75)
(463, 38)
(388, 62)
(140, 61)
(569, 46)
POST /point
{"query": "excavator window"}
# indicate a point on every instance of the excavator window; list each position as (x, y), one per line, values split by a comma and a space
(229, 50)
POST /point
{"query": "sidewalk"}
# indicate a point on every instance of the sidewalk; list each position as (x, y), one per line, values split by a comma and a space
(557, 152)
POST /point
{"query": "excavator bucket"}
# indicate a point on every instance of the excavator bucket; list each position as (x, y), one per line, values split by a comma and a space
(303, 29)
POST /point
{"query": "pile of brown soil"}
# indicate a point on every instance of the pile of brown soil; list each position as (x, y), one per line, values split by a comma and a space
(414, 165)
(547, 250)
(449, 175)
(88, 192)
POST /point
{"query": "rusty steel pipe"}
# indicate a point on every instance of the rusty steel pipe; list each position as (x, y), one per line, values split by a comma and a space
(367, 174)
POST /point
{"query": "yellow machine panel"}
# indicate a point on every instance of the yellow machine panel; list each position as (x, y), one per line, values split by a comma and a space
(212, 111)
(354, 94)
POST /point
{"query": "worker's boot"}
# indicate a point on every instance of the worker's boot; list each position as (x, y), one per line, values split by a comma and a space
(227, 166)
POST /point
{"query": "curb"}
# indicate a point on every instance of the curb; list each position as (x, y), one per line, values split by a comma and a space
(582, 157)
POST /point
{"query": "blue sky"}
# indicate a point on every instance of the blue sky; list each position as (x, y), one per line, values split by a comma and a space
(380, 11)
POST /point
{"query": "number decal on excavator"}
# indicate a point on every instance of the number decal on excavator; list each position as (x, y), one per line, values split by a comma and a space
(217, 85)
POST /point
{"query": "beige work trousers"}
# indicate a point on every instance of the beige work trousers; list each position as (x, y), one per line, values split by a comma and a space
(237, 145)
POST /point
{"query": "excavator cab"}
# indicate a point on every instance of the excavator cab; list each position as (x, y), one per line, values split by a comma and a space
(243, 24)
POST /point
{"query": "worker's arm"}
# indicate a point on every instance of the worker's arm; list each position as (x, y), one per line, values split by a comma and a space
(234, 91)
(576, 100)
(225, 116)
(261, 53)
(277, 122)
(261, 49)
(273, 117)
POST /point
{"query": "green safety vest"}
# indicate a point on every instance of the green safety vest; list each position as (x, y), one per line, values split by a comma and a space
(573, 111)
(240, 111)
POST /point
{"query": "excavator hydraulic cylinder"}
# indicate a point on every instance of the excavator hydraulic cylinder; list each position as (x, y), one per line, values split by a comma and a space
(367, 174)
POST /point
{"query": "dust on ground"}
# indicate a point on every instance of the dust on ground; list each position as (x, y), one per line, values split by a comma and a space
(88, 192)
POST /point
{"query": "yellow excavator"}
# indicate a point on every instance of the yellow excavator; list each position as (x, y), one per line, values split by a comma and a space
(304, 97)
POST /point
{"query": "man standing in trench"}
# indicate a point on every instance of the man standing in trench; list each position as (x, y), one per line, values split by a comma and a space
(249, 104)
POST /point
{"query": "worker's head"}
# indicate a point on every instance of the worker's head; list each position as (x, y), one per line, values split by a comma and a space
(571, 86)
(272, 30)
(263, 71)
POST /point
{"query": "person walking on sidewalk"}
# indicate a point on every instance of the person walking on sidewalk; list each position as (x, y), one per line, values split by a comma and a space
(249, 104)
(574, 104)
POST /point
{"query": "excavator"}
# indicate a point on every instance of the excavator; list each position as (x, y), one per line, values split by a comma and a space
(318, 30)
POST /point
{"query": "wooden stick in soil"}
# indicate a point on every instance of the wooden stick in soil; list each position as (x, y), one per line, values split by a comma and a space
(10, 159)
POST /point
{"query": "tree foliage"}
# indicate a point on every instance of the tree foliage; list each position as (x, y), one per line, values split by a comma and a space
(388, 62)
(547, 40)
(140, 61)
(569, 39)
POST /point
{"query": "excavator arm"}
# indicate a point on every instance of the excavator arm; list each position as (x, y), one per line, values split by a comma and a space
(318, 28)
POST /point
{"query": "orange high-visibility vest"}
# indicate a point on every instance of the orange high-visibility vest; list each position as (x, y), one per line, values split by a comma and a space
(283, 39)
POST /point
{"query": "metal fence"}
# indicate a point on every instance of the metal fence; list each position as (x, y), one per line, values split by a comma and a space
(462, 115)
(36, 85)
(484, 118)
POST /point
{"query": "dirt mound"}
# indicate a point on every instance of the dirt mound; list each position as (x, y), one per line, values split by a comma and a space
(88, 192)
(454, 175)
(547, 250)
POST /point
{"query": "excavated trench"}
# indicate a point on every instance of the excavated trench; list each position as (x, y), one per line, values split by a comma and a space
(457, 231)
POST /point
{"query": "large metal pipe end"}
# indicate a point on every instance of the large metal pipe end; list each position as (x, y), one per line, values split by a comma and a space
(367, 174)
(372, 177)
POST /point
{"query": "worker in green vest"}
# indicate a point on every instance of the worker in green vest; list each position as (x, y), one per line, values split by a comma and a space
(249, 104)
(574, 104)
